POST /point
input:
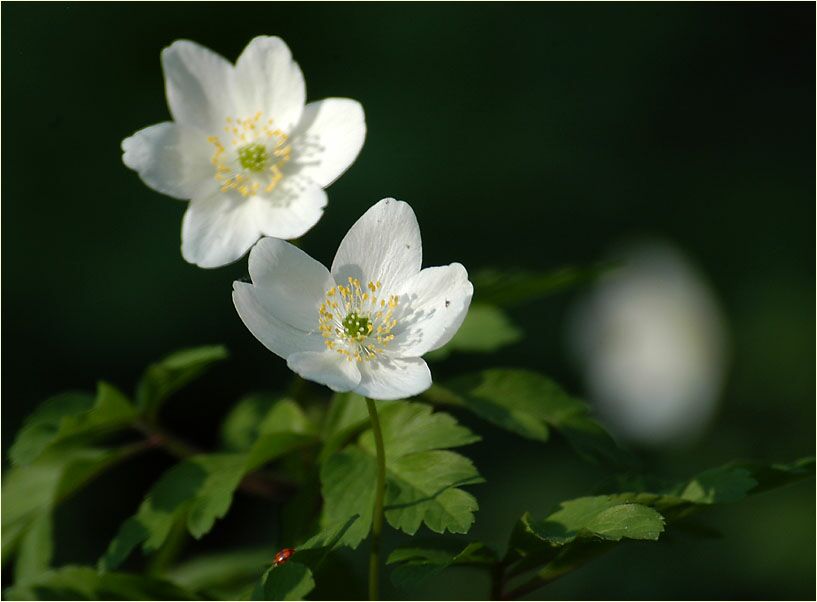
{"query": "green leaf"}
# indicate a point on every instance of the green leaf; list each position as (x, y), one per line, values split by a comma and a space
(729, 483)
(529, 404)
(603, 517)
(36, 549)
(293, 579)
(486, 328)
(422, 477)
(221, 574)
(347, 417)
(84, 583)
(576, 532)
(262, 413)
(167, 376)
(719, 485)
(31, 493)
(290, 581)
(70, 417)
(199, 491)
(507, 288)
(416, 564)
(586, 527)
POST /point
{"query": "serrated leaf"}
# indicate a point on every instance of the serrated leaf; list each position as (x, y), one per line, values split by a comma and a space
(422, 477)
(70, 417)
(415, 427)
(486, 328)
(417, 564)
(84, 583)
(199, 491)
(604, 517)
(167, 376)
(529, 404)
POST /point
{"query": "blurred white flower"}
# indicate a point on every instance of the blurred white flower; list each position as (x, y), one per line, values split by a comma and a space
(651, 342)
(244, 149)
(364, 326)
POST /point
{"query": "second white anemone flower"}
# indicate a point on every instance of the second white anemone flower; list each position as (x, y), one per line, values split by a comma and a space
(364, 325)
(243, 147)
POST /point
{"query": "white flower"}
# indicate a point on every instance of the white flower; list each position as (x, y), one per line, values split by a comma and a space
(364, 326)
(243, 148)
(653, 346)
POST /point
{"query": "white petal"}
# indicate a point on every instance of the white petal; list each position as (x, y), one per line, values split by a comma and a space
(271, 82)
(171, 159)
(384, 244)
(218, 230)
(291, 210)
(199, 85)
(393, 378)
(431, 310)
(326, 367)
(288, 282)
(277, 336)
(328, 138)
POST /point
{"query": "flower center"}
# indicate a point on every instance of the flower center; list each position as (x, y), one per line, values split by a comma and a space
(254, 157)
(357, 322)
(356, 327)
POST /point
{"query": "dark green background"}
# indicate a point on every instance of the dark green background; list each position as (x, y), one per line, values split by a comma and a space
(531, 135)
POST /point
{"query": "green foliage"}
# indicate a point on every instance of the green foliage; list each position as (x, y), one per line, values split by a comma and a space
(52, 459)
(84, 583)
(725, 484)
(529, 404)
(69, 417)
(36, 548)
(580, 529)
(347, 417)
(200, 490)
(167, 376)
(221, 575)
(293, 580)
(30, 495)
(415, 564)
(601, 517)
(422, 476)
(486, 328)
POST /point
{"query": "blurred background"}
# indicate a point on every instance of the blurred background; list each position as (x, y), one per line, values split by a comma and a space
(524, 135)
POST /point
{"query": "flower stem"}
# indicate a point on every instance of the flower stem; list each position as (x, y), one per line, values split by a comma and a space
(377, 515)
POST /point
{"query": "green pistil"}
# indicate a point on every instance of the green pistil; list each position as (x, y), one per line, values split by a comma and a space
(356, 326)
(253, 156)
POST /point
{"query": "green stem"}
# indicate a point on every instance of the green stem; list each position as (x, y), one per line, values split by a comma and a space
(377, 515)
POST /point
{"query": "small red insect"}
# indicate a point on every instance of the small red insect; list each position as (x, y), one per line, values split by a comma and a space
(282, 556)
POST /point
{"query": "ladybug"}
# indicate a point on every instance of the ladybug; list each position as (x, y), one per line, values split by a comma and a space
(282, 556)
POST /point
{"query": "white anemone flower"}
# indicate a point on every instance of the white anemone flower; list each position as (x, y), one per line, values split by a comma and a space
(653, 346)
(364, 325)
(243, 147)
